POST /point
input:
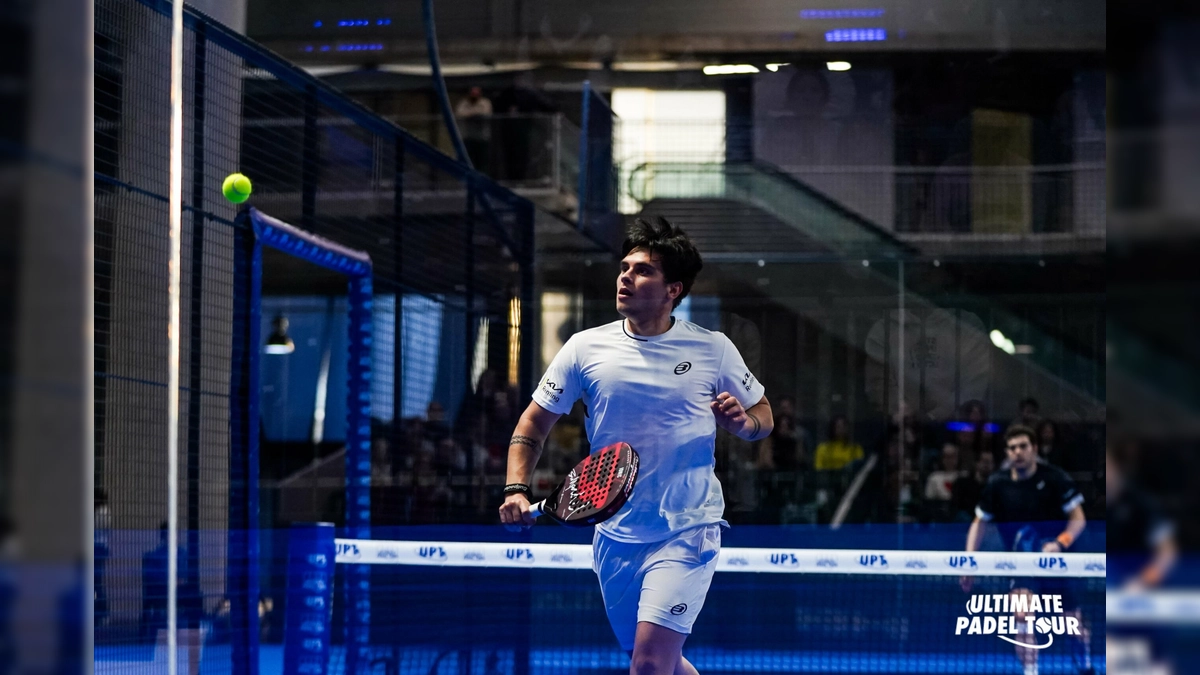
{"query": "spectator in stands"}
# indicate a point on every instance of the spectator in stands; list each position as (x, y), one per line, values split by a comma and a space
(475, 123)
(840, 450)
(1029, 409)
(431, 496)
(519, 102)
(974, 435)
(436, 427)
(382, 471)
(939, 486)
(1048, 449)
(782, 458)
(966, 490)
(788, 446)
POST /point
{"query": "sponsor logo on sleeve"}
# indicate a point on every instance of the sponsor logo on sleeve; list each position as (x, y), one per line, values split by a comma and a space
(551, 390)
(747, 381)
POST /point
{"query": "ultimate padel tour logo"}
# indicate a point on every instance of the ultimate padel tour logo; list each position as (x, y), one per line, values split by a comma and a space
(1037, 618)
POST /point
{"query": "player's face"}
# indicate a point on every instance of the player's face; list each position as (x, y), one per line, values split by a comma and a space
(1021, 452)
(642, 288)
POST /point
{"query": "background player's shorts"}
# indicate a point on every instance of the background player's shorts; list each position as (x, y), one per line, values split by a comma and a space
(1069, 589)
(663, 583)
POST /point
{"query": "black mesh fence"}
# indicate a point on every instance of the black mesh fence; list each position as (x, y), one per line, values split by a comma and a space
(451, 254)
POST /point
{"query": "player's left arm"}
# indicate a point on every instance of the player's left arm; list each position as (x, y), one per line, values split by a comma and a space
(1160, 539)
(1076, 522)
(1071, 501)
(751, 424)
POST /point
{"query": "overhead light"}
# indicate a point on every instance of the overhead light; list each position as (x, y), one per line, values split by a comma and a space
(774, 67)
(654, 66)
(278, 341)
(731, 69)
(838, 66)
(1002, 343)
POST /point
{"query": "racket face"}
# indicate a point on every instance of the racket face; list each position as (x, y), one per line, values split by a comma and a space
(596, 488)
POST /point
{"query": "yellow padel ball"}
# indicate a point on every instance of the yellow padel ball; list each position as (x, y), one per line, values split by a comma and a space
(236, 188)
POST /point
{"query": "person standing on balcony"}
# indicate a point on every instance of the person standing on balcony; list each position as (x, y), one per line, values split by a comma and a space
(475, 119)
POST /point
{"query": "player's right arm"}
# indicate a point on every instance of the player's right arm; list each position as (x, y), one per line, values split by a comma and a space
(524, 450)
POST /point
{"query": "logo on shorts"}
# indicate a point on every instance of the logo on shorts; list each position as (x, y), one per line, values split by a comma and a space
(683, 368)
(679, 609)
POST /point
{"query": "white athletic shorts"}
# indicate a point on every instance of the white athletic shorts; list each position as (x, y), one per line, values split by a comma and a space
(663, 583)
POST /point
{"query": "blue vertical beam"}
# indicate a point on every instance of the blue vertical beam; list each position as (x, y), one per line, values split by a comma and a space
(307, 632)
(357, 266)
(243, 553)
(358, 472)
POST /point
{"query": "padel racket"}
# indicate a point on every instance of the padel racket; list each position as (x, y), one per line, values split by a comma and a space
(594, 490)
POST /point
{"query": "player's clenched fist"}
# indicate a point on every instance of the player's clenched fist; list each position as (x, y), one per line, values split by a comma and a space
(730, 414)
(515, 510)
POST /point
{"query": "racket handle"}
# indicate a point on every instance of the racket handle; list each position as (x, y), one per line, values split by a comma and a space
(535, 511)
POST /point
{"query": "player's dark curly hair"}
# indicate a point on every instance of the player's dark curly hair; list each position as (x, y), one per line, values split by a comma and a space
(1021, 430)
(676, 253)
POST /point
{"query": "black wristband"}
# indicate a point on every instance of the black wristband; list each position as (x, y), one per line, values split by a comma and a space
(517, 488)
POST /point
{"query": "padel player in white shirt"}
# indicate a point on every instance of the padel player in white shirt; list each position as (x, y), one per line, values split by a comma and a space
(662, 386)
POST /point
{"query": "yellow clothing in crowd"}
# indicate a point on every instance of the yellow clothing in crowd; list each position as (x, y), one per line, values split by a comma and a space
(835, 455)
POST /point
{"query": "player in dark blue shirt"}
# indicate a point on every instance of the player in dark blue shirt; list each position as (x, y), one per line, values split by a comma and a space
(1036, 507)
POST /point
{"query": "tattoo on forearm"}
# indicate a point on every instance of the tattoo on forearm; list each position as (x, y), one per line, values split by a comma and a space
(518, 439)
(757, 427)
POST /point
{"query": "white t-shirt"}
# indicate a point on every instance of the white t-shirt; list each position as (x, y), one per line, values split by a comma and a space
(654, 393)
